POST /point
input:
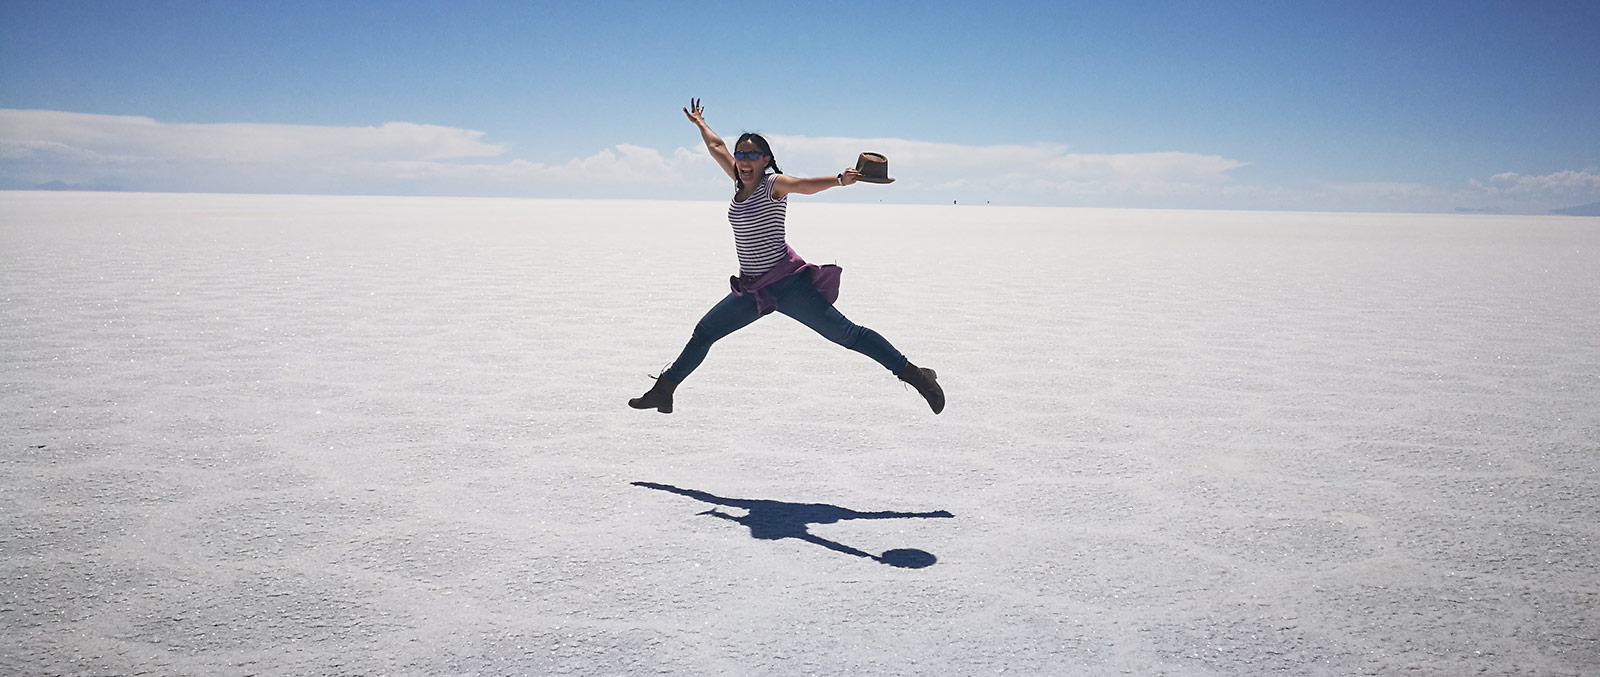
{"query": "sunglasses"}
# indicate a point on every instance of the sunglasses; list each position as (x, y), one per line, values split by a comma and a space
(748, 155)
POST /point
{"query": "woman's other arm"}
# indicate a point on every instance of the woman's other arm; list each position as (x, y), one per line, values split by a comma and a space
(719, 150)
(784, 184)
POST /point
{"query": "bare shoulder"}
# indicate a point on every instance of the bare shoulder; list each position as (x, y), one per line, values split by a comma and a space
(782, 185)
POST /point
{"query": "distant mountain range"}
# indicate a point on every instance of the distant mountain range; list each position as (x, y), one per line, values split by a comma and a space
(61, 185)
(1591, 209)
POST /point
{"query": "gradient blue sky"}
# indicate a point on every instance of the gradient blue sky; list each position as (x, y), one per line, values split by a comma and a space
(1405, 106)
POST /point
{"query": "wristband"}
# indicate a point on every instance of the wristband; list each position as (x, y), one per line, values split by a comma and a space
(841, 178)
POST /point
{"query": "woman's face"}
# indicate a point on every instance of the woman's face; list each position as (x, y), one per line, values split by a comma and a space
(750, 170)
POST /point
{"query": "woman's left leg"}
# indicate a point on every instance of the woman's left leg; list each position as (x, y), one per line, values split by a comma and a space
(799, 300)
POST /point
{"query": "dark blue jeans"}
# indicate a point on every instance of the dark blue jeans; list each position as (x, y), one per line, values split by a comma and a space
(797, 299)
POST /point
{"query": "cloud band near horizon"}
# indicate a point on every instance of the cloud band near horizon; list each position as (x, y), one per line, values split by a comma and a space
(140, 153)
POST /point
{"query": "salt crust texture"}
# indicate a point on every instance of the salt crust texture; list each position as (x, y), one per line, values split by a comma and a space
(280, 435)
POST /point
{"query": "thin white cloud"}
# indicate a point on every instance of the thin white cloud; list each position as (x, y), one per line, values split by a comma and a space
(1514, 192)
(1566, 183)
(120, 139)
(639, 164)
(1507, 192)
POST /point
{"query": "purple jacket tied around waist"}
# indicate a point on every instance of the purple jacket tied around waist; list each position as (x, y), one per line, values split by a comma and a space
(824, 278)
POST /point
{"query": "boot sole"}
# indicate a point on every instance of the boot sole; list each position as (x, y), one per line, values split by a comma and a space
(665, 408)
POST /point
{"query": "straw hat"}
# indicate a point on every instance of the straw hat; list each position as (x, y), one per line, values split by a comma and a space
(874, 168)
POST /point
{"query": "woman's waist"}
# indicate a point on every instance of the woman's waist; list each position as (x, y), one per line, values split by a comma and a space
(757, 273)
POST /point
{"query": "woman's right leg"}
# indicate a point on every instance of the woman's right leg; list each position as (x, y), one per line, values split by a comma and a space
(731, 314)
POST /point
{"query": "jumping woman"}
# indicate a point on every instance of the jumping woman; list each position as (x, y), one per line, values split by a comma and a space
(771, 275)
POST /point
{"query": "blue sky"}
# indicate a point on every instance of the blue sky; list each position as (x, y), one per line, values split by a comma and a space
(1386, 106)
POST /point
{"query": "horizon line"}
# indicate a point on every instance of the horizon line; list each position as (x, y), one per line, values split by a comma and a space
(1459, 211)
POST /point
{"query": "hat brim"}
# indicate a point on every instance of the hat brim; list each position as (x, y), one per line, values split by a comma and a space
(875, 179)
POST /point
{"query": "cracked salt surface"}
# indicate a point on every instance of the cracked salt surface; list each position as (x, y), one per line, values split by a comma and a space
(328, 435)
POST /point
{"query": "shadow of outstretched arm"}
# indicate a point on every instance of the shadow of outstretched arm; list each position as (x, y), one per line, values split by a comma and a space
(886, 515)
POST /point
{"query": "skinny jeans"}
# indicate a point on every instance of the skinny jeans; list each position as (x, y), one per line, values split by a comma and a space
(797, 298)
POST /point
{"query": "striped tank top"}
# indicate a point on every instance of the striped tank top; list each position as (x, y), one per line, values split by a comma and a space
(758, 229)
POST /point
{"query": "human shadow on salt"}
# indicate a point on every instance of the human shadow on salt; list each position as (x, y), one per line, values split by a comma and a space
(775, 520)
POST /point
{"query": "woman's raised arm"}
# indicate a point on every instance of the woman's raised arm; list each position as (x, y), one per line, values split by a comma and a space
(719, 150)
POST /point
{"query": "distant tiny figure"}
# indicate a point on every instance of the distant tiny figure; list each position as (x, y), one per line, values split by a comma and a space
(771, 275)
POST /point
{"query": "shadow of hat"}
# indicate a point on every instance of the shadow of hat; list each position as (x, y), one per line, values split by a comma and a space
(874, 168)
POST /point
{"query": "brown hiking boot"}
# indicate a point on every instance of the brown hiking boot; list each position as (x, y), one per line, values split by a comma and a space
(926, 382)
(659, 398)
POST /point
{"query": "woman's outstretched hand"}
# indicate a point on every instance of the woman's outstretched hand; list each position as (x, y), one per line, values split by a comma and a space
(695, 112)
(850, 176)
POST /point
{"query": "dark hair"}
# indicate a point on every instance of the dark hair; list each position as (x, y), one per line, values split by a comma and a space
(766, 149)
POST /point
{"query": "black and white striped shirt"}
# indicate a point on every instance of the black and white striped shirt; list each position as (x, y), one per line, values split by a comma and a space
(758, 229)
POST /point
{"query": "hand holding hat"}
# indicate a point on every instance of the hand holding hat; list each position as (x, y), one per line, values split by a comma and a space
(873, 168)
